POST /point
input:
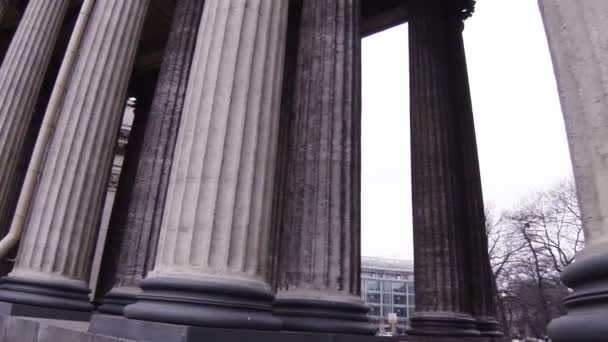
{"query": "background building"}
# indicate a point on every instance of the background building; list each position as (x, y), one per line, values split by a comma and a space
(387, 286)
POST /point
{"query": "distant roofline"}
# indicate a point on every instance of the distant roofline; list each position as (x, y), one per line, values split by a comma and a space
(388, 264)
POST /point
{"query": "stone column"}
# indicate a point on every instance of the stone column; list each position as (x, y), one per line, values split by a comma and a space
(576, 35)
(319, 260)
(212, 256)
(55, 254)
(22, 74)
(480, 276)
(442, 295)
(134, 228)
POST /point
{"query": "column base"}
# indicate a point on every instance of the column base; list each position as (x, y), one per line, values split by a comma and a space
(115, 301)
(323, 316)
(587, 305)
(443, 324)
(488, 326)
(206, 303)
(45, 293)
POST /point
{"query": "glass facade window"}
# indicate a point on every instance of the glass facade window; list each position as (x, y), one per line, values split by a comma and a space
(372, 298)
(399, 299)
(387, 291)
(372, 285)
(399, 287)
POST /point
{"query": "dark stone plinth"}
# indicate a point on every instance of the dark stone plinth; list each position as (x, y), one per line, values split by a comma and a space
(587, 306)
(24, 310)
(114, 302)
(162, 332)
(52, 299)
(448, 324)
(323, 316)
(488, 326)
(204, 303)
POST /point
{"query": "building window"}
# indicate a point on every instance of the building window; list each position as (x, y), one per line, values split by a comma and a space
(399, 299)
(386, 299)
(410, 288)
(374, 311)
(372, 285)
(399, 287)
(373, 298)
(386, 309)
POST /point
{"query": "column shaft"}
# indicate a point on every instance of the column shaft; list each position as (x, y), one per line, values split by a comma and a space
(576, 35)
(135, 225)
(481, 280)
(22, 74)
(213, 246)
(319, 260)
(55, 254)
(442, 297)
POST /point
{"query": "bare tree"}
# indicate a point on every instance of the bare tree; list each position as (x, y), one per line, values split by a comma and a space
(528, 248)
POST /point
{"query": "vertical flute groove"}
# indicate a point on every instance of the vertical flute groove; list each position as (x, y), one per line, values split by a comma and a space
(319, 219)
(135, 225)
(441, 285)
(23, 72)
(218, 201)
(67, 203)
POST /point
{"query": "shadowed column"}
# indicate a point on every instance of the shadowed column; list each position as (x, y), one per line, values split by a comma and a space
(481, 279)
(212, 260)
(22, 74)
(55, 254)
(134, 228)
(318, 285)
(442, 284)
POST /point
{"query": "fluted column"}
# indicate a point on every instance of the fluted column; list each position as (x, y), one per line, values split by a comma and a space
(135, 225)
(319, 260)
(442, 293)
(576, 35)
(55, 254)
(22, 73)
(480, 277)
(212, 261)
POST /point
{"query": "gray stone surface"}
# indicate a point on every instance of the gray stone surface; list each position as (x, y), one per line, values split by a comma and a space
(318, 282)
(22, 73)
(443, 304)
(576, 32)
(20, 329)
(135, 225)
(56, 250)
(220, 181)
(215, 231)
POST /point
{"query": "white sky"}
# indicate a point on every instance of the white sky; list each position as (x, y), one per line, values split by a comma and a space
(520, 129)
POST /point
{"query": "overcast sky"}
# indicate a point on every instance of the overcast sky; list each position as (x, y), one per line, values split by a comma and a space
(520, 129)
